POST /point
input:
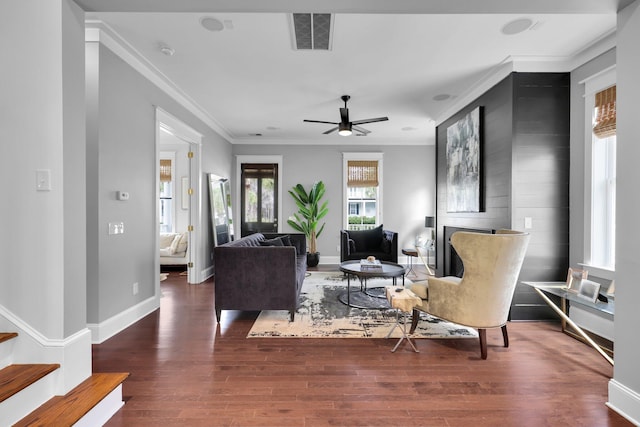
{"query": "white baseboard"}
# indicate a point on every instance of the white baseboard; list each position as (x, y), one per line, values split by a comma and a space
(624, 401)
(102, 331)
(329, 259)
(206, 273)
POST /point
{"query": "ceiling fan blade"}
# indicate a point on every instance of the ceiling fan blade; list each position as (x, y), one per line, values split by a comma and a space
(330, 130)
(344, 115)
(320, 121)
(362, 130)
(378, 119)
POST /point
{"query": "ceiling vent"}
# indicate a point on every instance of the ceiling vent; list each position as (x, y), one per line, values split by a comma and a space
(312, 31)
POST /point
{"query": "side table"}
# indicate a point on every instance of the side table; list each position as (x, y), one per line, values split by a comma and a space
(403, 301)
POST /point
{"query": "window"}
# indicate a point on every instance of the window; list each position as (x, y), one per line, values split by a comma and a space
(600, 191)
(363, 190)
(166, 201)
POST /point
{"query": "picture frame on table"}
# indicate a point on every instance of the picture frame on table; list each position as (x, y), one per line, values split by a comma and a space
(589, 290)
(575, 278)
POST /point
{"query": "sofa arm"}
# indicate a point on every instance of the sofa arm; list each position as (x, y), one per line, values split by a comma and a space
(344, 245)
(392, 238)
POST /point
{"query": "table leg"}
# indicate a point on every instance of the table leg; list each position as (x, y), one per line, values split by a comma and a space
(567, 319)
(410, 264)
(403, 329)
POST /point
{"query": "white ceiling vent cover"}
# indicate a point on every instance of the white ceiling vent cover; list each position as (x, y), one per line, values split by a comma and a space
(312, 31)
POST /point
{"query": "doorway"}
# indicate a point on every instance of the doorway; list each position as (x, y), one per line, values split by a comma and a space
(258, 198)
(187, 204)
(259, 194)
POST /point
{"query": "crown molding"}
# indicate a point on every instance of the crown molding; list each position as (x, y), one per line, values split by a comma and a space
(528, 64)
(98, 31)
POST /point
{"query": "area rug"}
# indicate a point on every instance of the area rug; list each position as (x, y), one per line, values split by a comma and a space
(322, 315)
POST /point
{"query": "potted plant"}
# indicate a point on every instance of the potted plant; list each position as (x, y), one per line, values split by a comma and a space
(310, 212)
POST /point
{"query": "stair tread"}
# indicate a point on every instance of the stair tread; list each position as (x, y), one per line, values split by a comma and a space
(14, 378)
(5, 336)
(68, 409)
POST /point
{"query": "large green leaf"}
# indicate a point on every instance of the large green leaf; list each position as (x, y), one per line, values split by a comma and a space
(310, 211)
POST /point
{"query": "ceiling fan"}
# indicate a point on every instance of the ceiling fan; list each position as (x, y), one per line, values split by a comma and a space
(345, 127)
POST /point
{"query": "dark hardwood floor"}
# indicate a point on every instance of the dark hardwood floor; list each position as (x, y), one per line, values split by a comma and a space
(187, 371)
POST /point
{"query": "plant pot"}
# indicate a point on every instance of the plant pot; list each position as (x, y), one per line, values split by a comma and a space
(313, 259)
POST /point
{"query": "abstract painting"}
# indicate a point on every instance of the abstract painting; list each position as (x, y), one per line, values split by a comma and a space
(463, 163)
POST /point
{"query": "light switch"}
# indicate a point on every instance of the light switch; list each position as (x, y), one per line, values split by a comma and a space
(528, 223)
(43, 180)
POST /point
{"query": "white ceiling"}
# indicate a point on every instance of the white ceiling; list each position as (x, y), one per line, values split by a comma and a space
(392, 60)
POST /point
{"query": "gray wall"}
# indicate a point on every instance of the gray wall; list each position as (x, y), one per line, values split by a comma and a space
(627, 319)
(577, 164)
(408, 186)
(121, 135)
(42, 127)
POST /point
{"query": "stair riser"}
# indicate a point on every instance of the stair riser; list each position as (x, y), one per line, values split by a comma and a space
(15, 407)
(103, 411)
(6, 353)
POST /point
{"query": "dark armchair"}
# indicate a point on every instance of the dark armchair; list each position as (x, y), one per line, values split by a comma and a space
(382, 244)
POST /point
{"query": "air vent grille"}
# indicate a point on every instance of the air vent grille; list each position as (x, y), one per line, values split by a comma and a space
(312, 31)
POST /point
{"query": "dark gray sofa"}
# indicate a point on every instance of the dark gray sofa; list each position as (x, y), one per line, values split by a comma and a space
(382, 244)
(250, 276)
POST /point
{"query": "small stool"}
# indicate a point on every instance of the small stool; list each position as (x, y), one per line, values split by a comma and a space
(411, 253)
(403, 301)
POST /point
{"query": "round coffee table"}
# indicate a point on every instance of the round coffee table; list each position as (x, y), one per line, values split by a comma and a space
(365, 299)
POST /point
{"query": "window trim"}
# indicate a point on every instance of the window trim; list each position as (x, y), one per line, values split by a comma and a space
(346, 156)
(592, 85)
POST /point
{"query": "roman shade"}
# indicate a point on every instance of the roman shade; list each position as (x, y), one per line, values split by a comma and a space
(165, 170)
(605, 112)
(362, 173)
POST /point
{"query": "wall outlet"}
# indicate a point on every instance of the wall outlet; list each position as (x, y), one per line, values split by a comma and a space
(116, 228)
(135, 288)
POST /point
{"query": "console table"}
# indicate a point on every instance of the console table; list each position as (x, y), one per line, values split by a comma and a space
(559, 289)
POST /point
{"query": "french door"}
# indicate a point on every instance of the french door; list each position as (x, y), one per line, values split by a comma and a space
(258, 198)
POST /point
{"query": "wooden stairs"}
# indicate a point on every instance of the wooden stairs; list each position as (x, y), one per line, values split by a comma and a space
(60, 411)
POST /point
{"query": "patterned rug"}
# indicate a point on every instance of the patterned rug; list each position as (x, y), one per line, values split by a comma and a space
(322, 315)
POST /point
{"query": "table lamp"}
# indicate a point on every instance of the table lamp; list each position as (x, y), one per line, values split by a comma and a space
(430, 223)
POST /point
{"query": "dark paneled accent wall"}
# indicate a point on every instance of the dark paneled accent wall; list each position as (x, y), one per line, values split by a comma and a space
(525, 169)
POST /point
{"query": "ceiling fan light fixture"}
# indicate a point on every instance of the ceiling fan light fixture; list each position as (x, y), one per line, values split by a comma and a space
(344, 129)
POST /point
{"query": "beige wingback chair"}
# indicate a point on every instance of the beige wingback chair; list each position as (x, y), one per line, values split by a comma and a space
(482, 297)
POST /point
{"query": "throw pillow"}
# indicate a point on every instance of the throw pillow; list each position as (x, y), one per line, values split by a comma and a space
(173, 248)
(182, 243)
(271, 242)
(367, 240)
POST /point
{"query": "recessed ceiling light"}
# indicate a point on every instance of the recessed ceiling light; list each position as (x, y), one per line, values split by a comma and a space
(441, 97)
(211, 24)
(517, 26)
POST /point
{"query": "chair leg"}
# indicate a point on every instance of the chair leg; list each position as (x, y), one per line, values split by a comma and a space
(483, 342)
(505, 336)
(414, 321)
